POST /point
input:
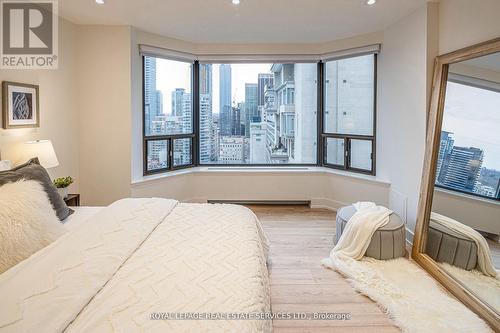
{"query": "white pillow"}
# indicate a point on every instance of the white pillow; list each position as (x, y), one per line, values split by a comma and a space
(28, 222)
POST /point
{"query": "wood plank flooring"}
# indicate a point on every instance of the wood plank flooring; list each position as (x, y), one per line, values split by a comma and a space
(300, 237)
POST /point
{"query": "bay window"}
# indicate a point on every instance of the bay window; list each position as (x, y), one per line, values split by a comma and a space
(260, 114)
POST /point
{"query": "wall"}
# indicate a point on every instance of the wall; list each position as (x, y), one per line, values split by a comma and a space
(403, 90)
(464, 22)
(480, 214)
(104, 90)
(58, 110)
(325, 189)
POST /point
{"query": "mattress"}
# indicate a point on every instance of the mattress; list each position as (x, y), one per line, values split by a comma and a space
(139, 263)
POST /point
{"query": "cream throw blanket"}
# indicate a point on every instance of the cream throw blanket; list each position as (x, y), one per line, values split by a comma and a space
(359, 230)
(483, 251)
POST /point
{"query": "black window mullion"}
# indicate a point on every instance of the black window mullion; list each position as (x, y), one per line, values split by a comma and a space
(347, 153)
(170, 152)
(320, 114)
(196, 114)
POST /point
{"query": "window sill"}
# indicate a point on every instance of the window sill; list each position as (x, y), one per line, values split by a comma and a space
(258, 170)
(465, 196)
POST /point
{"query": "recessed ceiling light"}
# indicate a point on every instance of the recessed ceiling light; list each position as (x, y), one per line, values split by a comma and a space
(236, 2)
(99, 2)
(370, 2)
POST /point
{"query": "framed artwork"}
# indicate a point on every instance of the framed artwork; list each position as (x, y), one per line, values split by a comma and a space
(20, 105)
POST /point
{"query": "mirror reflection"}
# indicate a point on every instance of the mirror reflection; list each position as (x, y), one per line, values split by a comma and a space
(464, 228)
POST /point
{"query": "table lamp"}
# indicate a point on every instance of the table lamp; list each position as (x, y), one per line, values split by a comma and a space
(44, 150)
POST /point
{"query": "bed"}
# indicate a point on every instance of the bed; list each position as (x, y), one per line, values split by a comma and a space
(144, 265)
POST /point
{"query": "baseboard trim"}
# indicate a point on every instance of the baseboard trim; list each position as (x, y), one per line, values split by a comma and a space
(263, 202)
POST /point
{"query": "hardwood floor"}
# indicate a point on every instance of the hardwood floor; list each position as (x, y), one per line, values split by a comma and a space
(300, 237)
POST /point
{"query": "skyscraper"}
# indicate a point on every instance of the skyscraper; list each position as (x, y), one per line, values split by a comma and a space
(263, 80)
(206, 123)
(206, 115)
(206, 79)
(177, 97)
(251, 114)
(461, 170)
(225, 109)
(236, 126)
(445, 148)
(149, 92)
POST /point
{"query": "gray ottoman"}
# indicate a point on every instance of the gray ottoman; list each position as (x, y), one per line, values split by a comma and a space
(387, 242)
(445, 245)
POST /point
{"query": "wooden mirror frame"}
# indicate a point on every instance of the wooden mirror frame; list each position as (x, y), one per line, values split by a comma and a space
(434, 122)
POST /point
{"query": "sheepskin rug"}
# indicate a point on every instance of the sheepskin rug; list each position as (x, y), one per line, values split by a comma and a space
(28, 222)
(414, 301)
(486, 287)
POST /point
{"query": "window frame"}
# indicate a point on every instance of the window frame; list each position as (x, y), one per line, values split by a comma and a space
(321, 135)
(348, 137)
(170, 138)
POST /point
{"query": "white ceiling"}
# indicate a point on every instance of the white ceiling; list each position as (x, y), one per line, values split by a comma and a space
(253, 21)
(490, 62)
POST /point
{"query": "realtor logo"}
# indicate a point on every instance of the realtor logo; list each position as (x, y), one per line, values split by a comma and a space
(28, 34)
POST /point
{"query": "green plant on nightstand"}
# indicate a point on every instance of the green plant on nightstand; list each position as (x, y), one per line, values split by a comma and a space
(62, 184)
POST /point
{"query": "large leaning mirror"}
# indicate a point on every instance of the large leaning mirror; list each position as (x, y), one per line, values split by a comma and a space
(458, 228)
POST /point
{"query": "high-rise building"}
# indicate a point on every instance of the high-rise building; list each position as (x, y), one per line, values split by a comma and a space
(461, 170)
(225, 109)
(445, 148)
(177, 100)
(206, 123)
(304, 99)
(150, 110)
(231, 150)
(206, 115)
(206, 79)
(251, 114)
(263, 80)
(257, 143)
(159, 103)
(236, 126)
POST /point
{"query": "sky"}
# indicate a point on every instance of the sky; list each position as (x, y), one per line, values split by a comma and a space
(473, 116)
(174, 74)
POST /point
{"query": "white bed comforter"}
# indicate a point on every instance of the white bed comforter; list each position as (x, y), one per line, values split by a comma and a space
(138, 257)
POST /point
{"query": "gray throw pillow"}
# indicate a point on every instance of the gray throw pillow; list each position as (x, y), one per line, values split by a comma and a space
(32, 170)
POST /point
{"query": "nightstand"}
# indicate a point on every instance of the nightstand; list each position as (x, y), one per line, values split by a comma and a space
(72, 200)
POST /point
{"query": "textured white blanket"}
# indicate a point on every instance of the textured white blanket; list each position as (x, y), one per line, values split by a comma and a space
(141, 257)
(359, 230)
(484, 262)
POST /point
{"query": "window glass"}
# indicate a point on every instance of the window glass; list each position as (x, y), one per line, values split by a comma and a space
(167, 97)
(361, 151)
(157, 155)
(248, 113)
(182, 152)
(335, 153)
(349, 96)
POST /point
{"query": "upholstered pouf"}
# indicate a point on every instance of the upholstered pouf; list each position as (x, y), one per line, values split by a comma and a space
(387, 242)
(445, 245)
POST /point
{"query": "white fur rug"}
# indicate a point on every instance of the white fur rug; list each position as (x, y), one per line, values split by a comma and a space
(414, 301)
(486, 287)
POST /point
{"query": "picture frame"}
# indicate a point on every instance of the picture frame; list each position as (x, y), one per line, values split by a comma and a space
(20, 105)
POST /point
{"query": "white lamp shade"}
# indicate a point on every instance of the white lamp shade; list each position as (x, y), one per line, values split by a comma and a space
(44, 150)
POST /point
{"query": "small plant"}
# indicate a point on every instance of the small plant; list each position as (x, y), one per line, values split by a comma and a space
(63, 182)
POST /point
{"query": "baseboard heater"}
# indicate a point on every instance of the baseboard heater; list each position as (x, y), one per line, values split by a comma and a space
(263, 202)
